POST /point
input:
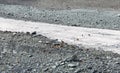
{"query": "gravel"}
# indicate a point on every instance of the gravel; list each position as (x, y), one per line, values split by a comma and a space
(75, 17)
(66, 4)
(31, 53)
(23, 53)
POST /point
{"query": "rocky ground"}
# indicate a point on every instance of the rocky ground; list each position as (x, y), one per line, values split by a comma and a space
(66, 4)
(80, 17)
(31, 53)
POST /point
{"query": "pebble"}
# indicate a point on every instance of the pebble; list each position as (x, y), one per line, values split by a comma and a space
(10, 14)
(77, 70)
(72, 65)
(46, 69)
(40, 41)
(14, 33)
(4, 51)
(34, 33)
(28, 33)
(73, 58)
(34, 70)
(53, 67)
(29, 69)
(62, 63)
(14, 52)
(30, 55)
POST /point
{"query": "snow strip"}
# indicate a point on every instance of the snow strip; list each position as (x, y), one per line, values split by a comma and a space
(108, 40)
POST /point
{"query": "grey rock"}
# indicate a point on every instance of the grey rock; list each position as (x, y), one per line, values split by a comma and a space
(34, 33)
(46, 69)
(73, 58)
(54, 67)
(72, 65)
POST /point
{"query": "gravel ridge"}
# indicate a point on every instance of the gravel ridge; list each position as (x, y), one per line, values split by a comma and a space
(31, 53)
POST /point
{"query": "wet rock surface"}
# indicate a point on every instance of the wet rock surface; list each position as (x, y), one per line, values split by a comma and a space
(26, 53)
